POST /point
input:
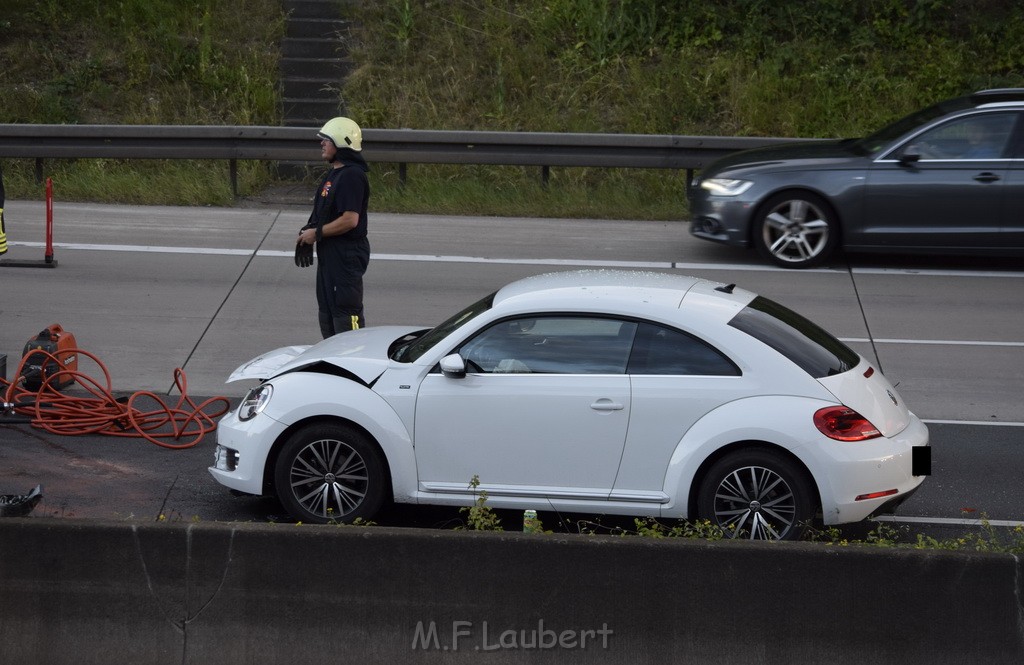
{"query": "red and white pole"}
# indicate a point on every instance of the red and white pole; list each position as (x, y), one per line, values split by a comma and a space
(48, 260)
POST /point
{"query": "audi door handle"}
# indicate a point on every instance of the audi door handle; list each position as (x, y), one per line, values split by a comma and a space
(986, 177)
(606, 404)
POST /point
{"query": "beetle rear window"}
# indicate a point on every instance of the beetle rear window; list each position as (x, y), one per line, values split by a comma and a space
(808, 345)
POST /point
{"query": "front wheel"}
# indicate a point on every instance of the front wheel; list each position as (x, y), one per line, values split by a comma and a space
(328, 472)
(756, 494)
(796, 230)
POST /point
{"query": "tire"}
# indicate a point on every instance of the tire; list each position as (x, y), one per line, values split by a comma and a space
(757, 494)
(796, 230)
(330, 473)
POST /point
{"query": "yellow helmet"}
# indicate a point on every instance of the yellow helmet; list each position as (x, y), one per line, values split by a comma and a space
(343, 132)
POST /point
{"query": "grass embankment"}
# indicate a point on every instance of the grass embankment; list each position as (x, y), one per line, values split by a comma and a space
(139, 62)
(832, 68)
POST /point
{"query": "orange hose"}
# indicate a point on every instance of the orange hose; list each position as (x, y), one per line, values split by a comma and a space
(101, 413)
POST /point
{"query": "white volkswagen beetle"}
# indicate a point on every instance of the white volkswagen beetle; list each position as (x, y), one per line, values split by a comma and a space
(601, 392)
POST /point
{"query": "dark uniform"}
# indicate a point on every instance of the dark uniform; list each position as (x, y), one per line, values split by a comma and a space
(342, 259)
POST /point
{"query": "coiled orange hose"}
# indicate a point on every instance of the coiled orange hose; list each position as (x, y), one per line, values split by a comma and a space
(101, 413)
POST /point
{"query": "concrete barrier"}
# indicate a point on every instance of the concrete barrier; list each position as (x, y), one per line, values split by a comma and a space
(84, 591)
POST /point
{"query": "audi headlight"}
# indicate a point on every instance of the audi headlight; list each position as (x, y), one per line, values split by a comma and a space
(255, 401)
(726, 186)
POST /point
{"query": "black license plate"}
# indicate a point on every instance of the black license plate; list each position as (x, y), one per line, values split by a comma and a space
(921, 460)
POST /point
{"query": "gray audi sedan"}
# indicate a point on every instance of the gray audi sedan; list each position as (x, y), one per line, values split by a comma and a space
(948, 179)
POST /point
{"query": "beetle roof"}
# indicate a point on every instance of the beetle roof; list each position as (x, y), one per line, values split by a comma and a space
(608, 287)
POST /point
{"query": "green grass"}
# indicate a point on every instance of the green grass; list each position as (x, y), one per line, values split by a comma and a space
(491, 191)
(519, 192)
(827, 68)
(140, 62)
(139, 182)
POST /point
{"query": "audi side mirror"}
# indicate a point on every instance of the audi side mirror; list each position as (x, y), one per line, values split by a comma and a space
(911, 156)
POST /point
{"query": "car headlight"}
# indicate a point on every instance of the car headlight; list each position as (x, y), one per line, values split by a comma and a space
(255, 401)
(726, 186)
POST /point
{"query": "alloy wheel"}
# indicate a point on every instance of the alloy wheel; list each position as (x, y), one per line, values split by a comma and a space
(796, 231)
(328, 478)
(755, 502)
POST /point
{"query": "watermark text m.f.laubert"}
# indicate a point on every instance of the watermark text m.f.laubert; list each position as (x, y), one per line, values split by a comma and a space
(464, 635)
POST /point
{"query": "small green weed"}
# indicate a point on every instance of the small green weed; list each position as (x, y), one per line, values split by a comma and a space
(652, 528)
(479, 516)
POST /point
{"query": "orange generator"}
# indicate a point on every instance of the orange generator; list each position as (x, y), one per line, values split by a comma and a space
(37, 367)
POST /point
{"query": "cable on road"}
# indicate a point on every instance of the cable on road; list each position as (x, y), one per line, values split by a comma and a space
(864, 316)
(139, 415)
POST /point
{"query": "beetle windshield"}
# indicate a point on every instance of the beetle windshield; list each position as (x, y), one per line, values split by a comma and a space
(413, 349)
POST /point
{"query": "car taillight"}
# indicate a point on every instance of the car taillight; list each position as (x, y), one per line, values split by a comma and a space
(844, 424)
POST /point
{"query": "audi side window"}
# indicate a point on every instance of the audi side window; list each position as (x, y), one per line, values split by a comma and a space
(976, 137)
(664, 351)
(1017, 143)
(551, 345)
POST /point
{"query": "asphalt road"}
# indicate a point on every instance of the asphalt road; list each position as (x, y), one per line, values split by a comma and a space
(151, 289)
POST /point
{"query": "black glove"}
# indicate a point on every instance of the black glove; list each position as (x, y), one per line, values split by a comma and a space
(303, 255)
(304, 252)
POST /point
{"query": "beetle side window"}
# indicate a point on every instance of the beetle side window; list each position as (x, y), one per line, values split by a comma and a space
(660, 350)
(551, 345)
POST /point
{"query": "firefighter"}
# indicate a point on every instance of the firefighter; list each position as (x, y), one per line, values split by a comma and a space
(337, 227)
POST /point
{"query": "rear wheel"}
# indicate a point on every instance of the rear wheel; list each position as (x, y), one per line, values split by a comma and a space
(756, 494)
(329, 472)
(796, 230)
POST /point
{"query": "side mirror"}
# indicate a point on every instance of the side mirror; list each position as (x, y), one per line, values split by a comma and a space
(453, 366)
(911, 156)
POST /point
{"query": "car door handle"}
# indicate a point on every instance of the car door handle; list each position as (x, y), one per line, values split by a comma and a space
(987, 176)
(605, 404)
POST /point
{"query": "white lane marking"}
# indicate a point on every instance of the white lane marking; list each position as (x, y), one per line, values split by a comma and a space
(936, 273)
(951, 521)
(664, 265)
(929, 421)
(157, 249)
(949, 342)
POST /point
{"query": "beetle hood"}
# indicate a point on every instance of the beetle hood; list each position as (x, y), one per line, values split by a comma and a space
(362, 352)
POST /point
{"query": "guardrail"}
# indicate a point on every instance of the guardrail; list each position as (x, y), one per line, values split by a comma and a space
(400, 146)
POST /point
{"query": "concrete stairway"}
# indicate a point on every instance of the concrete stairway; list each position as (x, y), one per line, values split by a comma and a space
(314, 60)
